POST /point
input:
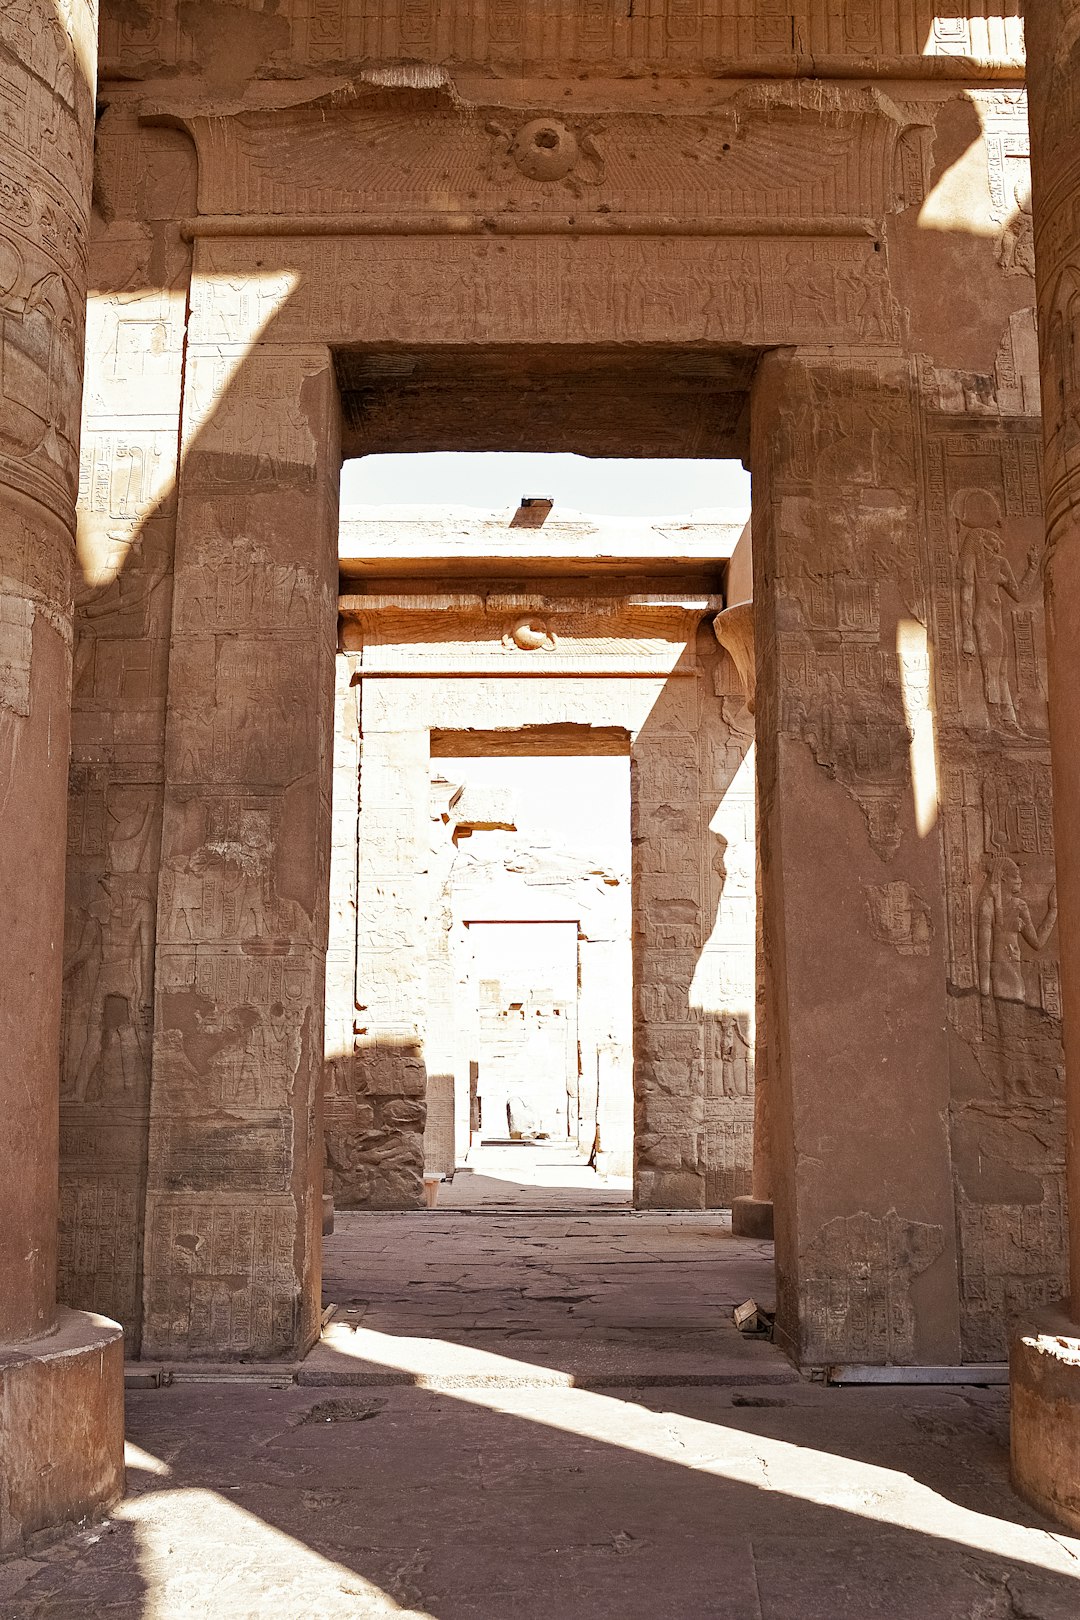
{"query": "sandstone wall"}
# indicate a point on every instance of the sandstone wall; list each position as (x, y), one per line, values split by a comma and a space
(831, 220)
(139, 273)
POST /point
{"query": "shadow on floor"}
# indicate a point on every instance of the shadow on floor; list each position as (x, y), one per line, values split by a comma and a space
(507, 1494)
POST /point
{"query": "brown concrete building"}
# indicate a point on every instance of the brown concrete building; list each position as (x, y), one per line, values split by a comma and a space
(810, 238)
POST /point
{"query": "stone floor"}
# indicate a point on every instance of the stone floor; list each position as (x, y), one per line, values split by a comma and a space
(516, 1416)
(532, 1175)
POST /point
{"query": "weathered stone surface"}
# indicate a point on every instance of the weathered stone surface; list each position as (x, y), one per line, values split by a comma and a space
(1045, 1354)
(61, 1372)
(868, 1259)
(61, 1429)
(643, 235)
(139, 270)
(242, 916)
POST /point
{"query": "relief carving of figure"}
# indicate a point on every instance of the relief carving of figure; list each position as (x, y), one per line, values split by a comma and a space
(107, 983)
(734, 1052)
(1016, 252)
(1003, 921)
(985, 572)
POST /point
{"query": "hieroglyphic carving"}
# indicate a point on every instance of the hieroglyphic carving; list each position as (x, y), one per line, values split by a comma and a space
(899, 917)
(375, 1121)
(135, 338)
(422, 289)
(847, 692)
(984, 507)
(858, 1282)
(228, 1264)
(844, 708)
(242, 900)
(510, 36)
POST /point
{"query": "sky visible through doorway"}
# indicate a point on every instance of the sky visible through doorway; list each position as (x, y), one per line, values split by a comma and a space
(497, 480)
(580, 804)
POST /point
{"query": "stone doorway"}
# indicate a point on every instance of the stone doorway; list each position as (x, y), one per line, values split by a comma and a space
(577, 645)
(539, 926)
(528, 1085)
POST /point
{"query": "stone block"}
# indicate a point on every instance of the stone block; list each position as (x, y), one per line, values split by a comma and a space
(61, 1430)
(1044, 1386)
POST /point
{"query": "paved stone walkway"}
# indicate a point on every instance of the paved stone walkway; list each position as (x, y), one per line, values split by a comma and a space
(448, 1468)
(532, 1175)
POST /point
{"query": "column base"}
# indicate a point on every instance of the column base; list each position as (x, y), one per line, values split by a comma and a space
(1044, 1386)
(752, 1217)
(327, 1214)
(61, 1429)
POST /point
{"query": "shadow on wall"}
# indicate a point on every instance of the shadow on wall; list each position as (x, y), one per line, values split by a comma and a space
(229, 1041)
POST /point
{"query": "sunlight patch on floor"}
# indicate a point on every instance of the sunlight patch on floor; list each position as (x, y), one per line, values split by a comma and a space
(882, 1496)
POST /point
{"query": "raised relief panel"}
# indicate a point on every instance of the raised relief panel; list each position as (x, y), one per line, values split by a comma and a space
(768, 153)
(983, 502)
(41, 335)
(422, 289)
(1008, 156)
(860, 1275)
(109, 953)
(986, 529)
(225, 1270)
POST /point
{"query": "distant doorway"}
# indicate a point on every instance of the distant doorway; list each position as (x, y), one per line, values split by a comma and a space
(535, 910)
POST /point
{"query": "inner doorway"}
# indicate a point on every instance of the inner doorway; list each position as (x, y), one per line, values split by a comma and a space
(543, 636)
(537, 900)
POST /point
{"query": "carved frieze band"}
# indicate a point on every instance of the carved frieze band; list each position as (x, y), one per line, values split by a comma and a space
(353, 290)
(714, 36)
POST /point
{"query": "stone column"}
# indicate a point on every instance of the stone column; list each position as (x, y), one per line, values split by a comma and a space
(55, 1468)
(234, 1179)
(852, 888)
(1045, 1354)
(693, 903)
(341, 940)
(375, 1132)
(670, 928)
(751, 1213)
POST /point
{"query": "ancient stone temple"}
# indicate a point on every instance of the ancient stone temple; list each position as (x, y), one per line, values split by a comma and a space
(827, 240)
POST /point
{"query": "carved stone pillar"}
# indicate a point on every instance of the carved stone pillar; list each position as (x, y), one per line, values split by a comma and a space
(693, 926)
(375, 1129)
(54, 1363)
(852, 884)
(1045, 1355)
(234, 1178)
(752, 1213)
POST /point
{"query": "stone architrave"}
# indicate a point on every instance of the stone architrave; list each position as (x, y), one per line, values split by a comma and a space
(511, 39)
(1045, 1355)
(865, 1239)
(234, 1180)
(54, 1362)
